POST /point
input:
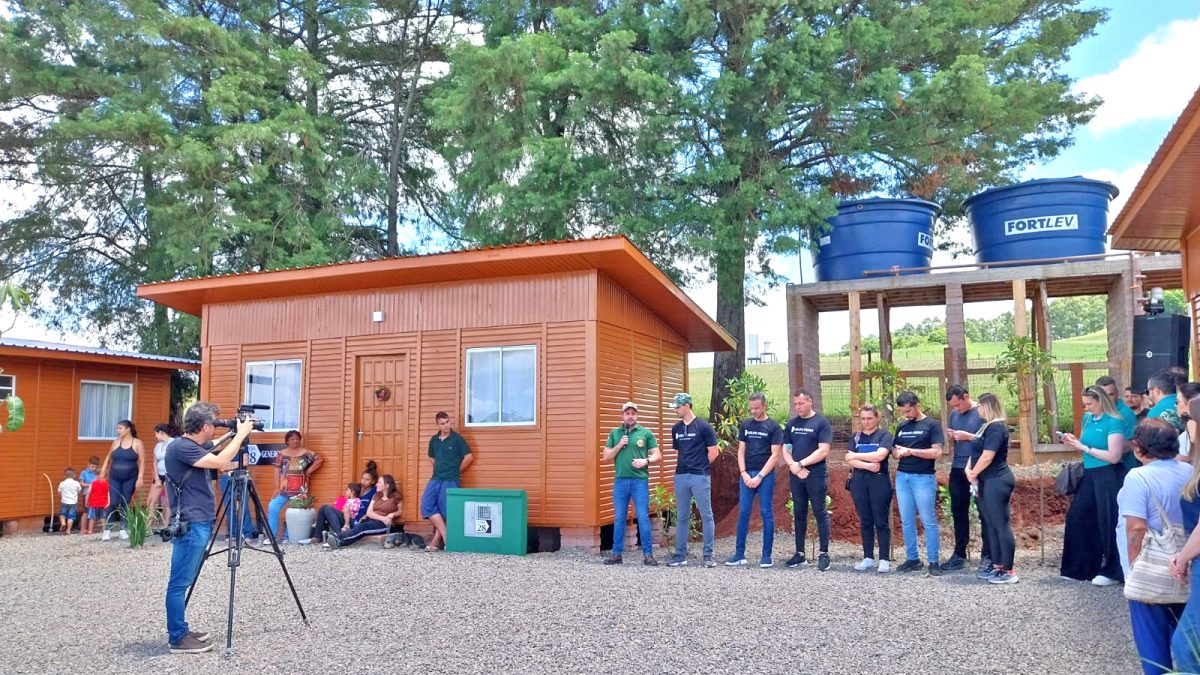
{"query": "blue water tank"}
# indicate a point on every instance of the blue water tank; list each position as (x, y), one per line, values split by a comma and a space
(1045, 218)
(876, 234)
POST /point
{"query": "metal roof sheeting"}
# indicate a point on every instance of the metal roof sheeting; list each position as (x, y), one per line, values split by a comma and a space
(62, 348)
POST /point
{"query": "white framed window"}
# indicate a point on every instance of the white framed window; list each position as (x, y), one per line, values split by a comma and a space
(502, 386)
(101, 406)
(277, 384)
(8, 386)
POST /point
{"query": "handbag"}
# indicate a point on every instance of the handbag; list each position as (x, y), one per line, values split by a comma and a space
(1149, 578)
(1069, 478)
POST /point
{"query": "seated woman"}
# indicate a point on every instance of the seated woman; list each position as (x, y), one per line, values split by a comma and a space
(296, 464)
(345, 513)
(383, 510)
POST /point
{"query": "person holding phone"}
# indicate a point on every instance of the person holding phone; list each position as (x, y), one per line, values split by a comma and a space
(631, 449)
(964, 427)
(871, 488)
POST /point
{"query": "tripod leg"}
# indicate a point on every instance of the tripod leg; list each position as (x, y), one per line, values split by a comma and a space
(262, 518)
(222, 513)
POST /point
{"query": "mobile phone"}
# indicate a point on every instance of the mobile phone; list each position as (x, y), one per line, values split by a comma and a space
(1058, 434)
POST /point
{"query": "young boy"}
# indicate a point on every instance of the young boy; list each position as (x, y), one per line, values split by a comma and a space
(68, 492)
(97, 504)
(86, 477)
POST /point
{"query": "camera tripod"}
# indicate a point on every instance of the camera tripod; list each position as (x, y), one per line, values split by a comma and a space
(238, 497)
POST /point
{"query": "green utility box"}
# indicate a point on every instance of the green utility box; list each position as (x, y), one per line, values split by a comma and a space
(486, 521)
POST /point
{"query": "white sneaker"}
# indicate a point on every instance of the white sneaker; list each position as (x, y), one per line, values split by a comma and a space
(1101, 580)
(124, 534)
(884, 567)
(866, 564)
(105, 535)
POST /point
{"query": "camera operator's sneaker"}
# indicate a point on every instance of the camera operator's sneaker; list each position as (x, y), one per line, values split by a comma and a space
(124, 534)
(105, 535)
(201, 635)
(190, 645)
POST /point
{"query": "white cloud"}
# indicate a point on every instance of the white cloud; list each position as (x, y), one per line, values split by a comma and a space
(1125, 181)
(1153, 83)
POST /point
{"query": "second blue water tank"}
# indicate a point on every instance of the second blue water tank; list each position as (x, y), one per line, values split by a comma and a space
(1045, 218)
(876, 234)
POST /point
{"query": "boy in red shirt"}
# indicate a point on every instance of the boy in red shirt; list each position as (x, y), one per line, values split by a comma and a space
(97, 502)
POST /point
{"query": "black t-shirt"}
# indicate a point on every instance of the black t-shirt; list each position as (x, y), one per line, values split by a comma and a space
(864, 442)
(759, 437)
(691, 443)
(806, 434)
(995, 438)
(920, 434)
(195, 501)
(1142, 415)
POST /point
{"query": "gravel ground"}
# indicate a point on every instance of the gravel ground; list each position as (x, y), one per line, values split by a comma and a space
(561, 612)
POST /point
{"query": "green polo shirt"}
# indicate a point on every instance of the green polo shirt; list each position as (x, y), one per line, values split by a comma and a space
(447, 454)
(641, 442)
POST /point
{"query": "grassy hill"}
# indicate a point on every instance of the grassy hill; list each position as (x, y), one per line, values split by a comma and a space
(1085, 348)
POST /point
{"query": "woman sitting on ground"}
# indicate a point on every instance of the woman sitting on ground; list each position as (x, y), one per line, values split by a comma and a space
(1151, 491)
(345, 513)
(382, 512)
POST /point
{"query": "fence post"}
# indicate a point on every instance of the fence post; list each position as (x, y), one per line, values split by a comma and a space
(1076, 390)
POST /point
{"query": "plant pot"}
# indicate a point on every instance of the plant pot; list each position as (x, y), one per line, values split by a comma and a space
(299, 523)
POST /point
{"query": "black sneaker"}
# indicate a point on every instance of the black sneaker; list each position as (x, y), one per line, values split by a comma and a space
(649, 561)
(190, 645)
(797, 560)
(613, 560)
(935, 570)
(954, 564)
(910, 566)
(985, 565)
(823, 562)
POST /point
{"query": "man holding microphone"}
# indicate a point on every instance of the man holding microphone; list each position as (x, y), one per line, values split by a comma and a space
(631, 449)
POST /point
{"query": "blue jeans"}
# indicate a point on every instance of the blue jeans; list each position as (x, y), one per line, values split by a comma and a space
(637, 489)
(765, 492)
(1152, 628)
(273, 509)
(247, 522)
(1185, 644)
(689, 486)
(917, 493)
(186, 554)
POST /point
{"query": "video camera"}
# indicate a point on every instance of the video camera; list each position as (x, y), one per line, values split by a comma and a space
(244, 412)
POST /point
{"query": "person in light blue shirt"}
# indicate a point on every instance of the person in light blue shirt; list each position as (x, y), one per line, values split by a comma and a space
(1162, 392)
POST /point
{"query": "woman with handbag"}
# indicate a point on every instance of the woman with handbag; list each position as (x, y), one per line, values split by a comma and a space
(1185, 644)
(1153, 526)
(1089, 543)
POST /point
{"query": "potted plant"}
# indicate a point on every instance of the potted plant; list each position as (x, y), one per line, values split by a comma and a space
(300, 517)
(662, 515)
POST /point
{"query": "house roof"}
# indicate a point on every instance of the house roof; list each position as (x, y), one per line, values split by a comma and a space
(615, 256)
(1165, 205)
(58, 350)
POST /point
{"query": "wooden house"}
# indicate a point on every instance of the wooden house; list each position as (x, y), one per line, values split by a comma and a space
(531, 349)
(74, 396)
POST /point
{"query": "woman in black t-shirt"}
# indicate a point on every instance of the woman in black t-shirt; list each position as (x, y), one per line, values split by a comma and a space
(871, 488)
(994, 481)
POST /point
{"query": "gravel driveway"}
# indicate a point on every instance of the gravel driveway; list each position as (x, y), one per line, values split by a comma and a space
(407, 611)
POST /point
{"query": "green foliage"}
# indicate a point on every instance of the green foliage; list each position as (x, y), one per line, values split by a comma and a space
(16, 412)
(881, 383)
(301, 501)
(1174, 303)
(137, 522)
(996, 329)
(736, 408)
(1077, 315)
(662, 504)
(1024, 362)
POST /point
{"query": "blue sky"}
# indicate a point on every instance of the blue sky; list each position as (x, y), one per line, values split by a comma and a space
(1142, 61)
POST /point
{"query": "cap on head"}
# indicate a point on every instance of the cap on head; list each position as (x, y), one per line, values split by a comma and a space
(628, 405)
(682, 399)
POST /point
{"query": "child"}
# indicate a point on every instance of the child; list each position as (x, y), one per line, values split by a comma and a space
(68, 492)
(89, 474)
(348, 504)
(97, 504)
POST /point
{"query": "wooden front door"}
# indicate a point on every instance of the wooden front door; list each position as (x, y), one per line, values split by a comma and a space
(381, 412)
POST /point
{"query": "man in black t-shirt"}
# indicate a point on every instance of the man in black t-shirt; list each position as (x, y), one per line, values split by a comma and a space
(760, 440)
(918, 446)
(806, 443)
(191, 497)
(695, 443)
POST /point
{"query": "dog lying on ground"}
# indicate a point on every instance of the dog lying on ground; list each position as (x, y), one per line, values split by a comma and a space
(404, 539)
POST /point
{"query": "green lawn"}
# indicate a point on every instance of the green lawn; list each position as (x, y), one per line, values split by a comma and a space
(836, 394)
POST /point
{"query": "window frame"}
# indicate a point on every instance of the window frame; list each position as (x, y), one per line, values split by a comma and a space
(274, 363)
(128, 409)
(12, 388)
(533, 422)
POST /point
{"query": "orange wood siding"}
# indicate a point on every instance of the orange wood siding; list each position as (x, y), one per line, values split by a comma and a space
(568, 458)
(448, 306)
(49, 441)
(1190, 248)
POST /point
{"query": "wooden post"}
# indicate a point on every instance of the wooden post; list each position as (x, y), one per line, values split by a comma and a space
(1076, 403)
(1025, 385)
(855, 356)
(1121, 308)
(885, 327)
(956, 335)
(803, 348)
(1041, 321)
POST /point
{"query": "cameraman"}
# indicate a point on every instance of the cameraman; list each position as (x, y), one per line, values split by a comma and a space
(192, 499)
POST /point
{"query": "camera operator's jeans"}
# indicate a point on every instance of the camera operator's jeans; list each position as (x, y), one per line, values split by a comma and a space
(247, 522)
(186, 554)
(273, 509)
